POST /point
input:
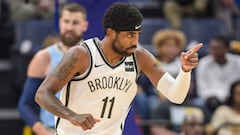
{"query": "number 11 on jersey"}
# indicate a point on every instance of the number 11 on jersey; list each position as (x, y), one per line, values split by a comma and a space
(106, 102)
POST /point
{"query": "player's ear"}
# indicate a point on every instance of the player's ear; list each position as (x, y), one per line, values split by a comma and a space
(85, 26)
(111, 33)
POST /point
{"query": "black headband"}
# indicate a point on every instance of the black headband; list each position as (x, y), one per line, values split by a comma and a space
(134, 27)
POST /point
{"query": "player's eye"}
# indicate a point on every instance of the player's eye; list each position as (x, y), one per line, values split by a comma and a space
(66, 21)
(76, 22)
(130, 35)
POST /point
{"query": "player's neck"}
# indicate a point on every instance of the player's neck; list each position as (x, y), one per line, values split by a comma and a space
(111, 56)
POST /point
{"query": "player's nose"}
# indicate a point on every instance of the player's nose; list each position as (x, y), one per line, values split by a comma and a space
(70, 27)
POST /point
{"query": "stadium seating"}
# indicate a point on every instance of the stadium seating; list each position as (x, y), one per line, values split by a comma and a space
(202, 30)
(34, 31)
(238, 28)
(149, 27)
(145, 4)
(149, 8)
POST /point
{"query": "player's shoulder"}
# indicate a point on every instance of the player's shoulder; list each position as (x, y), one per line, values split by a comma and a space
(79, 51)
(142, 53)
(42, 55)
(39, 64)
(82, 48)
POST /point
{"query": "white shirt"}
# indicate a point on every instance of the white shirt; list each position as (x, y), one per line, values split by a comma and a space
(225, 114)
(215, 80)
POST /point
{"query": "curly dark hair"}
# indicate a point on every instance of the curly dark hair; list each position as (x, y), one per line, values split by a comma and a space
(122, 17)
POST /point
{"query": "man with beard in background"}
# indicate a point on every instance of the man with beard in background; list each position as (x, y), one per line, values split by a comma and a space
(72, 24)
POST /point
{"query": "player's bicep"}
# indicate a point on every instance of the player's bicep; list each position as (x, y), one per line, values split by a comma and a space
(39, 64)
(64, 71)
(66, 68)
(149, 66)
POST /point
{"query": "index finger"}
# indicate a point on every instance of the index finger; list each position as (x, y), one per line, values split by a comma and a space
(194, 49)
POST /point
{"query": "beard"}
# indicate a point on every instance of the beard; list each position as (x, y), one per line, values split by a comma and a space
(120, 51)
(70, 40)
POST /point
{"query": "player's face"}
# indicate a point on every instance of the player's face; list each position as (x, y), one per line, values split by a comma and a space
(72, 26)
(125, 43)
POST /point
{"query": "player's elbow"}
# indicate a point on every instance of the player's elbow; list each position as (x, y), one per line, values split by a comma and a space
(177, 99)
(39, 96)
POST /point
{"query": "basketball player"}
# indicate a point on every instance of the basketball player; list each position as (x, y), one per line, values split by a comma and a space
(99, 77)
(73, 24)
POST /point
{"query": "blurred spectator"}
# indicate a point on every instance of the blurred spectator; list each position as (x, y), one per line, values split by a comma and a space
(169, 119)
(215, 73)
(169, 43)
(193, 123)
(227, 117)
(33, 9)
(46, 9)
(175, 10)
(226, 10)
(162, 120)
(210, 105)
(218, 70)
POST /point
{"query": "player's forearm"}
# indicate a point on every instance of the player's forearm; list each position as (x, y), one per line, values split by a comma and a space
(175, 89)
(27, 114)
(26, 105)
(48, 100)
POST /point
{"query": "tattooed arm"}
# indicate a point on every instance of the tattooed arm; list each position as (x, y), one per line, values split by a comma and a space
(148, 65)
(76, 60)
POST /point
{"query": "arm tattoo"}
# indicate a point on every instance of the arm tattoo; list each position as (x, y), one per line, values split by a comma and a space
(67, 67)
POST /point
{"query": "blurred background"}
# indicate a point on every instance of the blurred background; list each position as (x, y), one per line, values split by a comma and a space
(169, 27)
